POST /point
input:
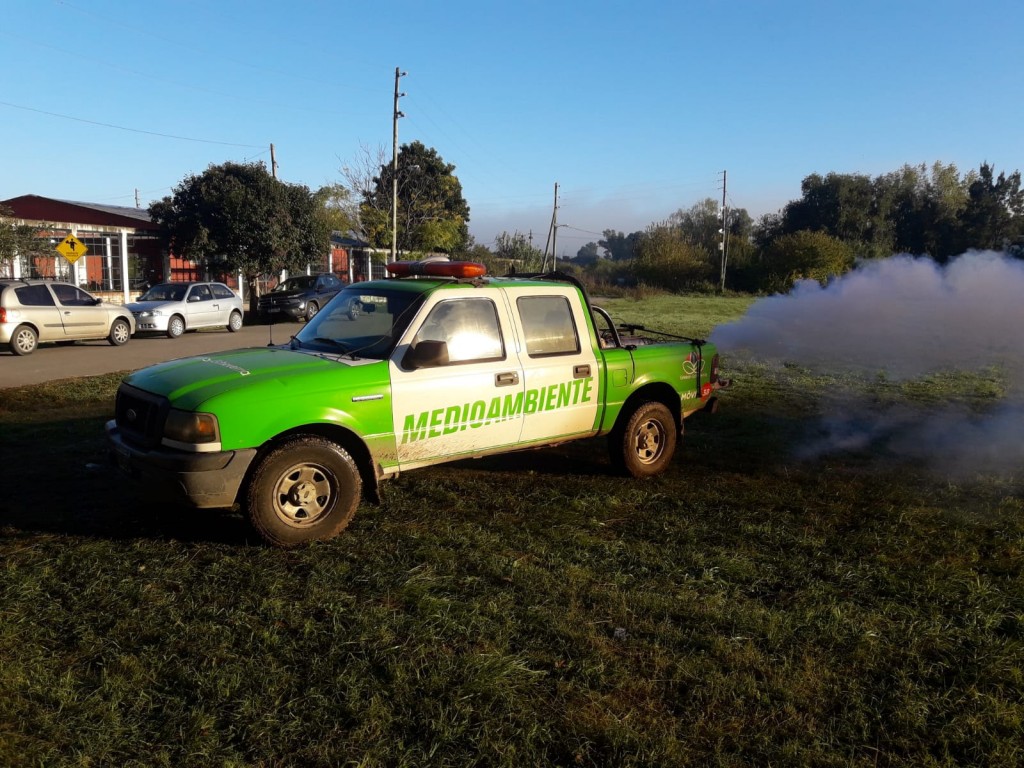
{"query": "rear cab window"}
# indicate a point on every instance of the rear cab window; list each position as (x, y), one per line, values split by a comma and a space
(548, 326)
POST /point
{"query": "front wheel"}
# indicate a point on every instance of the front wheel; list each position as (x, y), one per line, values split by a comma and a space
(120, 332)
(305, 489)
(235, 322)
(645, 444)
(311, 309)
(175, 326)
(24, 340)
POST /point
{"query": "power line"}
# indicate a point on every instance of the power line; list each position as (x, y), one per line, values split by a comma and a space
(585, 231)
(130, 130)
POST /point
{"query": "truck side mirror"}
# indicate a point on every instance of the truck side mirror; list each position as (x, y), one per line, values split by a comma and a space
(426, 354)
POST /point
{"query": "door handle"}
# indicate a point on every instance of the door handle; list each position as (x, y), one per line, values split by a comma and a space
(509, 379)
(581, 371)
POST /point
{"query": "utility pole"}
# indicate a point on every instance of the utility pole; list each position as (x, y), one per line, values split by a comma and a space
(552, 236)
(394, 166)
(724, 245)
(273, 162)
(554, 231)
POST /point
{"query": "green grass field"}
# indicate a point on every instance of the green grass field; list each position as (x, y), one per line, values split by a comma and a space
(746, 608)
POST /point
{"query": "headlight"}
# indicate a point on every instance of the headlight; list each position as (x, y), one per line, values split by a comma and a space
(151, 313)
(191, 431)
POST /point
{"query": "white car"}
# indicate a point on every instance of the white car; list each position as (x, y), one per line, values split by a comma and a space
(174, 308)
(34, 311)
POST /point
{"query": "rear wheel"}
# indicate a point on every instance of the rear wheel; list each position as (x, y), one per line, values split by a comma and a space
(175, 326)
(120, 332)
(305, 489)
(24, 341)
(235, 322)
(646, 442)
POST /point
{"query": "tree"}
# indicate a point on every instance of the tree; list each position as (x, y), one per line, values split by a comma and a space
(665, 259)
(845, 206)
(620, 247)
(739, 223)
(238, 218)
(587, 255)
(20, 242)
(361, 181)
(339, 212)
(432, 214)
(993, 216)
(517, 253)
(804, 255)
(923, 206)
(767, 228)
(700, 225)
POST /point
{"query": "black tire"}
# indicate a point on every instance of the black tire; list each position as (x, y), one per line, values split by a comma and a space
(311, 309)
(306, 489)
(235, 322)
(644, 444)
(24, 340)
(175, 326)
(120, 332)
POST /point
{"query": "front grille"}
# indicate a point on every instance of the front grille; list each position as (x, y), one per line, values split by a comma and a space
(268, 301)
(140, 415)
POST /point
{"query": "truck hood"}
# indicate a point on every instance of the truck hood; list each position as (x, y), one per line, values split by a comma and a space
(189, 381)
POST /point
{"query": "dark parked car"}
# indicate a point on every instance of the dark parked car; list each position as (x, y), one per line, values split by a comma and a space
(299, 298)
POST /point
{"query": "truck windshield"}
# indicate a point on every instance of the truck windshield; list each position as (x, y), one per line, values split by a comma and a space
(362, 322)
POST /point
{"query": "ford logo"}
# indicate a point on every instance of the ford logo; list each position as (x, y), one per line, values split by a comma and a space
(131, 415)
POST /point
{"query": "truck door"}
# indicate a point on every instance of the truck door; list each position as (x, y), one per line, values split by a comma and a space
(466, 397)
(560, 371)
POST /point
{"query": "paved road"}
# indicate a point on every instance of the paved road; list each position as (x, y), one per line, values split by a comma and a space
(90, 358)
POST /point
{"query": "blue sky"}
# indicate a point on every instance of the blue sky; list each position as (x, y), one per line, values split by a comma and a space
(633, 108)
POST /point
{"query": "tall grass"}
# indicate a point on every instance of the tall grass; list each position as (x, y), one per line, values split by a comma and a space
(746, 608)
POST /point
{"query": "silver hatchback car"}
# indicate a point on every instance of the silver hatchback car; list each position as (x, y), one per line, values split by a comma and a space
(34, 311)
(174, 308)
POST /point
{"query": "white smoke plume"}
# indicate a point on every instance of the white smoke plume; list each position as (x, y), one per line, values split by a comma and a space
(906, 318)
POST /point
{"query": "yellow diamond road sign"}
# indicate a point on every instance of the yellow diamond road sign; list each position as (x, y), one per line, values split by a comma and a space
(72, 249)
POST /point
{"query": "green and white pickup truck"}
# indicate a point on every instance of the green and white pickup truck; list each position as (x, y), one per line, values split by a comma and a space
(395, 374)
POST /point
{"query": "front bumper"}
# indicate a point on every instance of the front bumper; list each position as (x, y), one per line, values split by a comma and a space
(151, 323)
(204, 480)
(294, 311)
